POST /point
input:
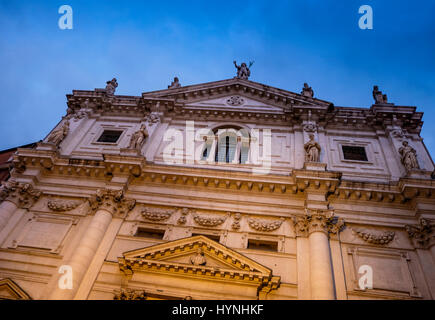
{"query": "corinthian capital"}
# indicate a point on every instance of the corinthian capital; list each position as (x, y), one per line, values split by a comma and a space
(421, 235)
(22, 194)
(112, 201)
(317, 221)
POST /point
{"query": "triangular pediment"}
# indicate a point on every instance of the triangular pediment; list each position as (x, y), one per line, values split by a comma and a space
(216, 93)
(199, 256)
(235, 102)
(9, 290)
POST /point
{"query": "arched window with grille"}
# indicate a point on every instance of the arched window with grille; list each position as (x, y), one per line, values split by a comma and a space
(229, 145)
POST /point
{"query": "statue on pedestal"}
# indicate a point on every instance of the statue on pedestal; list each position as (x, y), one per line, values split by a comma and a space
(243, 71)
(378, 96)
(59, 134)
(312, 150)
(111, 86)
(175, 84)
(307, 91)
(409, 156)
(138, 138)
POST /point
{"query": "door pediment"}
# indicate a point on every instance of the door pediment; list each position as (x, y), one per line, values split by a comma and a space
(198, 257)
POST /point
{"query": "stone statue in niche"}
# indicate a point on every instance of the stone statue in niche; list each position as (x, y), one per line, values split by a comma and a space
(378, 96)
(198, 259)
(59, 134)
(138, 138)
(409, 156)
(175, 84)
(243, 71)
(111, 86)
(307, 91)
(312, 150)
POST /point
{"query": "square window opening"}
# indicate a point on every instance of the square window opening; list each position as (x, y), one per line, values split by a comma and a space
(354, 153)
(110, 136)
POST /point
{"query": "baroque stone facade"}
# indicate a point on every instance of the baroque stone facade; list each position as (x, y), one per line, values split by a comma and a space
(223, 190)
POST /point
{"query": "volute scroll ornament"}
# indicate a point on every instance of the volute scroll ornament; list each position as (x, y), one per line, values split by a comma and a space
(59, 134)
(317, 221)
(129, 294)
(112, 201)
(22, 194)
(421, 235)
(265, 226)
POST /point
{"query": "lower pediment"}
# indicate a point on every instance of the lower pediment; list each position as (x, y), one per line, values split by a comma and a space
(201, 258)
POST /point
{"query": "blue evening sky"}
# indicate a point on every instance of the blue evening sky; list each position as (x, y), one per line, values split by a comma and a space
(144, 44)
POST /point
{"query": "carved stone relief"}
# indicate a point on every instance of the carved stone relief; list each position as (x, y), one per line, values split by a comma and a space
(236, 223)
(156, 214)
(375, 238)
(22, 194)
(235, 101)
(62, 205)
(421, 235)
(183, 214)
(112, 201)
(263, 225)
(129, 294)
(209, 221)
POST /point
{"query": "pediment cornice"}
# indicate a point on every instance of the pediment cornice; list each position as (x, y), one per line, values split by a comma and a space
(221, 262)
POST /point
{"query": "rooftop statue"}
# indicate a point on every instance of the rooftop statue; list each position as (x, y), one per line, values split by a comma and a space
(243, 71)
(175, 84)
(111, 86)
(307, 91)
(378, 96)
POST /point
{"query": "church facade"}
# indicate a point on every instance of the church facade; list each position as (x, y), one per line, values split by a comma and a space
(223, 190)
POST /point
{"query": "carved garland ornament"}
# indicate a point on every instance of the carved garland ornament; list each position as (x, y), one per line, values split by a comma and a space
(370, 237)
(209, 221)
(62, 205)
(183, 214)
(267, 226)
(22, 194)
(112, 201)
(156, 214)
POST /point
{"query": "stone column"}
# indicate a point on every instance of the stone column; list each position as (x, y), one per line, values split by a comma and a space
(105, 204)
(15, 195)
(317, 224)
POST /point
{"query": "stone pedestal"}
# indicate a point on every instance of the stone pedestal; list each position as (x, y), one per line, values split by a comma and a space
(419, 174)
(46, 146)
(130, 152)
(316, 166)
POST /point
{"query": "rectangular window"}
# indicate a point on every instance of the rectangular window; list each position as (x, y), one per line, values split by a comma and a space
(111, 136)
(354, 153)
(150, 233)
(210, 236)
(263, 245)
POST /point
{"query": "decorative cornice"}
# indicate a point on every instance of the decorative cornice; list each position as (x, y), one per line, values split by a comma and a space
(22, 194)
(265, 226)
(62, 205)
(157, 214)
(317, 221)
(209, 221)
(375, 238)
(112, 201)
(421, 235)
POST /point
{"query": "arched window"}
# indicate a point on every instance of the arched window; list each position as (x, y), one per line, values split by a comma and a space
(229, 145)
